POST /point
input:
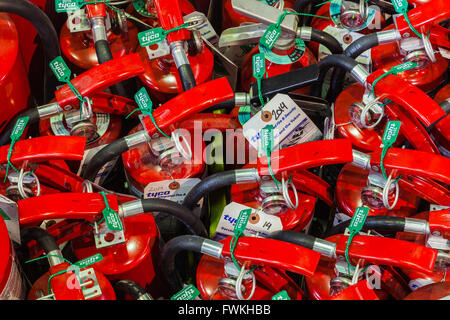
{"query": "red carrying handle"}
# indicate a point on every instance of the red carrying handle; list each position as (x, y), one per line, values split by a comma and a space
(188, 103)
(310, 183)
(429, 190)
(45, 148)
(308, 155)
(416, 163)
(170, 16)
(440, 36)
(274, 253)
(101, 77)
(103, 102)
(64, 206)
(387, 251)
(424, 17)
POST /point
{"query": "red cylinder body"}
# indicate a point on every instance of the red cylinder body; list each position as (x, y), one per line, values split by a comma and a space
(233, 19)
(444, 144)
(79, 47)
(249, 195)
(136, 259)
(11, 285)
(272, 68)
(14, 88)
(351, 181)
(210, 270)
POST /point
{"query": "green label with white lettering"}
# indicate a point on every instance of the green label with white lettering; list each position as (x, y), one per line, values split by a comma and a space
(358, 219)
(19, 127)
(282, 295)
(404, 67)
(259, 65)
(152, 36)
(112, 220)
(188, 293)
(89, 261)
(143, 100)
(66, 5)
(4, 215)
(242, 221)
(270, 36)
(60, 69)
(400, 6)
(266, 141)
(391, 132)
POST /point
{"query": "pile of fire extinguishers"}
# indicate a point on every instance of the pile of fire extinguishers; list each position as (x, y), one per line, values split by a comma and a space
(225, 150)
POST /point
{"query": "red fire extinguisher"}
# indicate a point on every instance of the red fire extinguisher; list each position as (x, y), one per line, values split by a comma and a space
(76, 38)
(66, 281)
(219, 279)
(442, 97)
(380, 194)
(435, 291)
(11, 284)
(161, 66)
(129, 253)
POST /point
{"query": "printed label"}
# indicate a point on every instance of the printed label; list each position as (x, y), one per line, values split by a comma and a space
(143, 100)
(259, 65)
(60, 69)
(152, 36)
(19, 128)
(259, 223)
(66, 5)
(270, 36)
(358, 219)
(187, 293)
(291, 125)
(296, 55)
(174, 190)
(404, 67)
(89, 261)
(400, 6)
(391, 132)
(10, 214)
(112, 220)
(283, 295)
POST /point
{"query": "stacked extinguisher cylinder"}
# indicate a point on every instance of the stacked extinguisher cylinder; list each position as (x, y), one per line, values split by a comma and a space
(225, 150)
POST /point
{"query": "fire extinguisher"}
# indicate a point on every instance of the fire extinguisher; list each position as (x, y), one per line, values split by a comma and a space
(435, 291)
(77, 40)
(32, 153)
(11, 285)
(395, 93)
(219, 279)
(334, 274)
(171, 159)
(349, 21)
(231, 18)
(199, 98)
(442, 97)
(181, 61)
(66, 281)
(380, 194)
(130, 252)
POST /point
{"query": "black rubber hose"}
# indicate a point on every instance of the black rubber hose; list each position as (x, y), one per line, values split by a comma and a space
(103, 51)
(380, 223)
(169, 253)
(5, 136)
(337, 60)
(207, 185)
(129, 287)
(300, 5)
(43, 238)
(181, 213)
(187, 77)
(40, 21)
(327, 40)
(298, 238)
(108, 153)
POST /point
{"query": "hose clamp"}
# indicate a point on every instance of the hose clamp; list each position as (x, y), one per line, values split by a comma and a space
(212, 248)
(243, 176)
(325, 248)
(49, 110)
(417, 226)
(136, 139)
(304, 33)
(360, 74)
(131, 208)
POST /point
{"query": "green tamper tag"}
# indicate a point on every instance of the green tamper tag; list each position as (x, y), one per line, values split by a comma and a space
(270, 36)
(66, 5)
(391, 133)
(89, 261)
(112, 220)
(143, 100)
(60, 69)
(282, 295)
(400, 6)
(404, 67)
(188, 293)
(152, 36)
(259, 65)
(358, 219)
(242, 220)
(19, 127)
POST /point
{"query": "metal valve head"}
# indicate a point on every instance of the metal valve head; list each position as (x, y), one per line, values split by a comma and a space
(353, 15)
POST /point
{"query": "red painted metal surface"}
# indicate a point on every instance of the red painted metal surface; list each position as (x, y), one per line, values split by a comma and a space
(170, 16)
(440, 222)
(359, 291)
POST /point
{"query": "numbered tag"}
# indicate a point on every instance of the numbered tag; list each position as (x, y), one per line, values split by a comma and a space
(259, 65)
(270, 36)
(400, 6)
(19, 128)
(187, 293)
(403, 67)
(112, 220)
(242, 221)
(89, 261)
(152, 36)
(66, 5)
(358, 219)
(391, 132)
(60, 69)
(143, 100)
(283, 295)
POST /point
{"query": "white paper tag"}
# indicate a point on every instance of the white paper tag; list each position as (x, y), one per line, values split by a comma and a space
(345, 38)
(418, 283)
(10, 214)
(174, 190)
(339, 218)
(291, 125)
(259, 224)
(103, 172)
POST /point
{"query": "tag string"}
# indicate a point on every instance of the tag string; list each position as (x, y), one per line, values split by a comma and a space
(233, 243)
(149, 113)
(347, 257)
